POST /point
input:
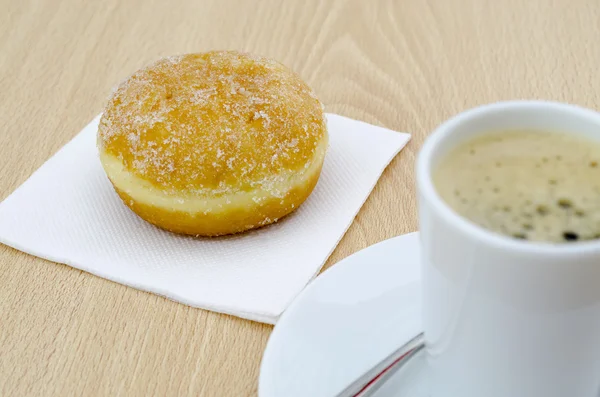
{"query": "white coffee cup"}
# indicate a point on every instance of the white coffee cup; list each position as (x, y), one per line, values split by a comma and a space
(504, 317)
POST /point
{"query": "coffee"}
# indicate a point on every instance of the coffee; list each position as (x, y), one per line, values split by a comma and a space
(530, 185)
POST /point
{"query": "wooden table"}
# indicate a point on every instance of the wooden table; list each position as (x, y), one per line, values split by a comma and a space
(406, 65)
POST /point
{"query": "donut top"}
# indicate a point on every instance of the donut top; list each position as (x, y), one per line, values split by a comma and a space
(213, 123)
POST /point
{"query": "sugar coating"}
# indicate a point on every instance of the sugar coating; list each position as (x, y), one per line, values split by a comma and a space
(213, 123)
(530, 185)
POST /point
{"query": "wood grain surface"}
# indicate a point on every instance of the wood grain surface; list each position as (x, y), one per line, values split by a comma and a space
(406, 65)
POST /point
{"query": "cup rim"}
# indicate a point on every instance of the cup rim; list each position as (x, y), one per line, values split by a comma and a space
(485, 236)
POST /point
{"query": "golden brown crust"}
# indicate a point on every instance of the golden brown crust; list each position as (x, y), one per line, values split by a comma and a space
(217, 224)
(201, 128)
(212, 123)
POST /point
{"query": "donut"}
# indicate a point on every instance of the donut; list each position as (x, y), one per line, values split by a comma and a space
(213, 143)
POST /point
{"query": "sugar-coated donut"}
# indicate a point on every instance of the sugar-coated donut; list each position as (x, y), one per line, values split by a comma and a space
(213, 143)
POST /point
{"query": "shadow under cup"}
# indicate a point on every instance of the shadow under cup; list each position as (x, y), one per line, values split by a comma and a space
(504, 317)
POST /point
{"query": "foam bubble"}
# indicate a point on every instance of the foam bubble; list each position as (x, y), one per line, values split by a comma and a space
(526, 184)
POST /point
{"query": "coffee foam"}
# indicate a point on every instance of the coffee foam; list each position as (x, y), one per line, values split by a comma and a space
(531, 185)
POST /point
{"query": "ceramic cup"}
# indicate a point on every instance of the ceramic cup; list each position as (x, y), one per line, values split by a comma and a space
(504, 317)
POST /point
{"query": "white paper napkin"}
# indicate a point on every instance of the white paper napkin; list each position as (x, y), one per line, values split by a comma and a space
(67, 212)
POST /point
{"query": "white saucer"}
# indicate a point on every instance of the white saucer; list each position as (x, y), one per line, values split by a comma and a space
(345, 322)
